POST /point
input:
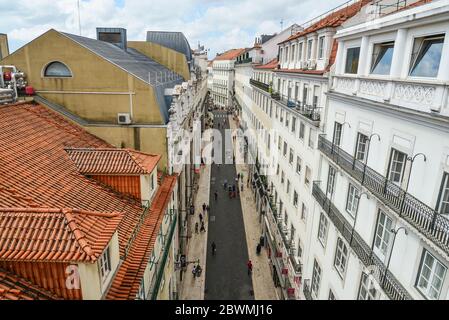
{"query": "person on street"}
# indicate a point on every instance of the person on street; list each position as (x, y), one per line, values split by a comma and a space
(208, 209)
(204, 207)
(216, 195)
(214, 247)
(250, 267)
(201, 217)
(196, 227)
(225, 184)
(258, 248)
(203, 229)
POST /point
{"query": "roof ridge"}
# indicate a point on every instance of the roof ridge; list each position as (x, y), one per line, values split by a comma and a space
(60, 210)
(78, 233)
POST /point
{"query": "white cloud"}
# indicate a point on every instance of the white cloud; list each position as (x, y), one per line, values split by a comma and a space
(218, 24)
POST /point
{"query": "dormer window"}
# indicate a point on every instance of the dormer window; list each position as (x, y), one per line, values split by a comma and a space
(105, 265)
(382, 57)
(321, 48)
(57, 69)
(426, 56)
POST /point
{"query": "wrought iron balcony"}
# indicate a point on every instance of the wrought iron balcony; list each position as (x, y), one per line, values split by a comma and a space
(424, 218)
(247, 60)
(313, 113)
(391, 286)
(258, 84)
(306, 290)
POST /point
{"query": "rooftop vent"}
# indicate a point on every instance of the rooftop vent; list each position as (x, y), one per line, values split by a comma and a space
(116, 36)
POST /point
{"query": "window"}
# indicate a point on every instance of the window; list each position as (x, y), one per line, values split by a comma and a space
(382, 56)
(383, 234)
(443, 202)
(341, 257)
(309, 49)
(322, 229)
(293, 53)
(431, 276)
(285, 149)
(302, 129)
(361, 147)
(397, 166)
(307, 176)
(299, 249)
(311, 138)
(57, 69)
(353, 200)
(331, 181)
(288, 186)
(141, 293)
(293, 124)
(295, 198)
(298, 165)
(290, 159)
(279, 143)
(282, 177)
(277, 170)
(367, 289)
(331, 295)
(321, 48)
(303, 212)
(316, 278)
(337, 134)
(426, 56)
(300, 51)
(352, 60)
(105, 264)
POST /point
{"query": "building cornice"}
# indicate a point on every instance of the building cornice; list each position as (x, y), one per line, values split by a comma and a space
(426, 119)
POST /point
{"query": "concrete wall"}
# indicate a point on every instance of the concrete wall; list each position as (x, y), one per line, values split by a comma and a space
(172, 59)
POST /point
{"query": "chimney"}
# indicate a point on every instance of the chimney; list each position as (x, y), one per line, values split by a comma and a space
(116, 36)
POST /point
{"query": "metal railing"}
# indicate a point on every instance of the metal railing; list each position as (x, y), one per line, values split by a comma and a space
(424, 218)
(260, 85)
(391, 286)
(306, 290)
(247, 60)
(311, 112)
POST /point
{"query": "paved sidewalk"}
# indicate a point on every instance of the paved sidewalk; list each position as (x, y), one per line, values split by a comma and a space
(193, 288)
(263, 285)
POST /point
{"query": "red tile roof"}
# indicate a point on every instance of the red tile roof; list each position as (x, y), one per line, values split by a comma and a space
(333, 20)
(57, 235)
(16, 288)
(230, 54)
(270, 65)
(112, 161)
(127, 281)
(37, 172)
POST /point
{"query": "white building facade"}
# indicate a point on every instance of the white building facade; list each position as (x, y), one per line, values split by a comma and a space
(381, 228)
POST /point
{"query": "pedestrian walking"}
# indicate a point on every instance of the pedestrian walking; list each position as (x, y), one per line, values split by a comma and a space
(258, 248)
(225, 184)
(203, 229)
(238, 176)
(233, 190)
(204, 207)
(216, 195)
(250, 267)
(208, 209)
(201, 217)
(241, 187)
(196, 227)
(214, 248)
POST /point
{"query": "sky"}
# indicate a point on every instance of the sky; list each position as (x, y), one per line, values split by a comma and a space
(218, 25)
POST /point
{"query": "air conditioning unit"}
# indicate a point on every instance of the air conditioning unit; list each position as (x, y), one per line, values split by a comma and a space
(123, 118)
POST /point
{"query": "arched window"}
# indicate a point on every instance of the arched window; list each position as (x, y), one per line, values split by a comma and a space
(57, 69)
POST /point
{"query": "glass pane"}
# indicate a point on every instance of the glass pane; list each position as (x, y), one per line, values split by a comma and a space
(383, 62)
(352, 60)
(428, 60)
(57, 69)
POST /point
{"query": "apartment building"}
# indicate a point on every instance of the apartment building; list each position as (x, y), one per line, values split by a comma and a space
(288, 115)
(79, 218)
(381, 226)
(223, 77)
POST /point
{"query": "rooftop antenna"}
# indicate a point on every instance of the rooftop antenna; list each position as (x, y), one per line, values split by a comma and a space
(282, 24)
(79, 16)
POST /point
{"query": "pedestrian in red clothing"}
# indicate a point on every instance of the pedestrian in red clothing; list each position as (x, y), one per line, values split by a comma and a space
(250, 267)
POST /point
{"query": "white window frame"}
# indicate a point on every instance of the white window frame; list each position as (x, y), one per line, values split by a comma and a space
(341, 257)
(104, 264)
(352, 199)
(431, 279)
(323, 228)
(383, 234)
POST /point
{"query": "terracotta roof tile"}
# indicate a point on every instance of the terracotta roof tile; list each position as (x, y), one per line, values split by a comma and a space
(334, 19)
(270, 65)
(230, 54)
(57, 235)
(112, 161)
(126, 283)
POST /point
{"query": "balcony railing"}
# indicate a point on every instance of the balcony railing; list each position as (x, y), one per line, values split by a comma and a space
(311, 112)
(391, 286)
(247, 60)
(424, 218)
(306, 290)
(260, 85)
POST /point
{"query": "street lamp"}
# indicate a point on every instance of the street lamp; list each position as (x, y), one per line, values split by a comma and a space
(356, 212)
(395, 232)
(367, 153)
(412, 159)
